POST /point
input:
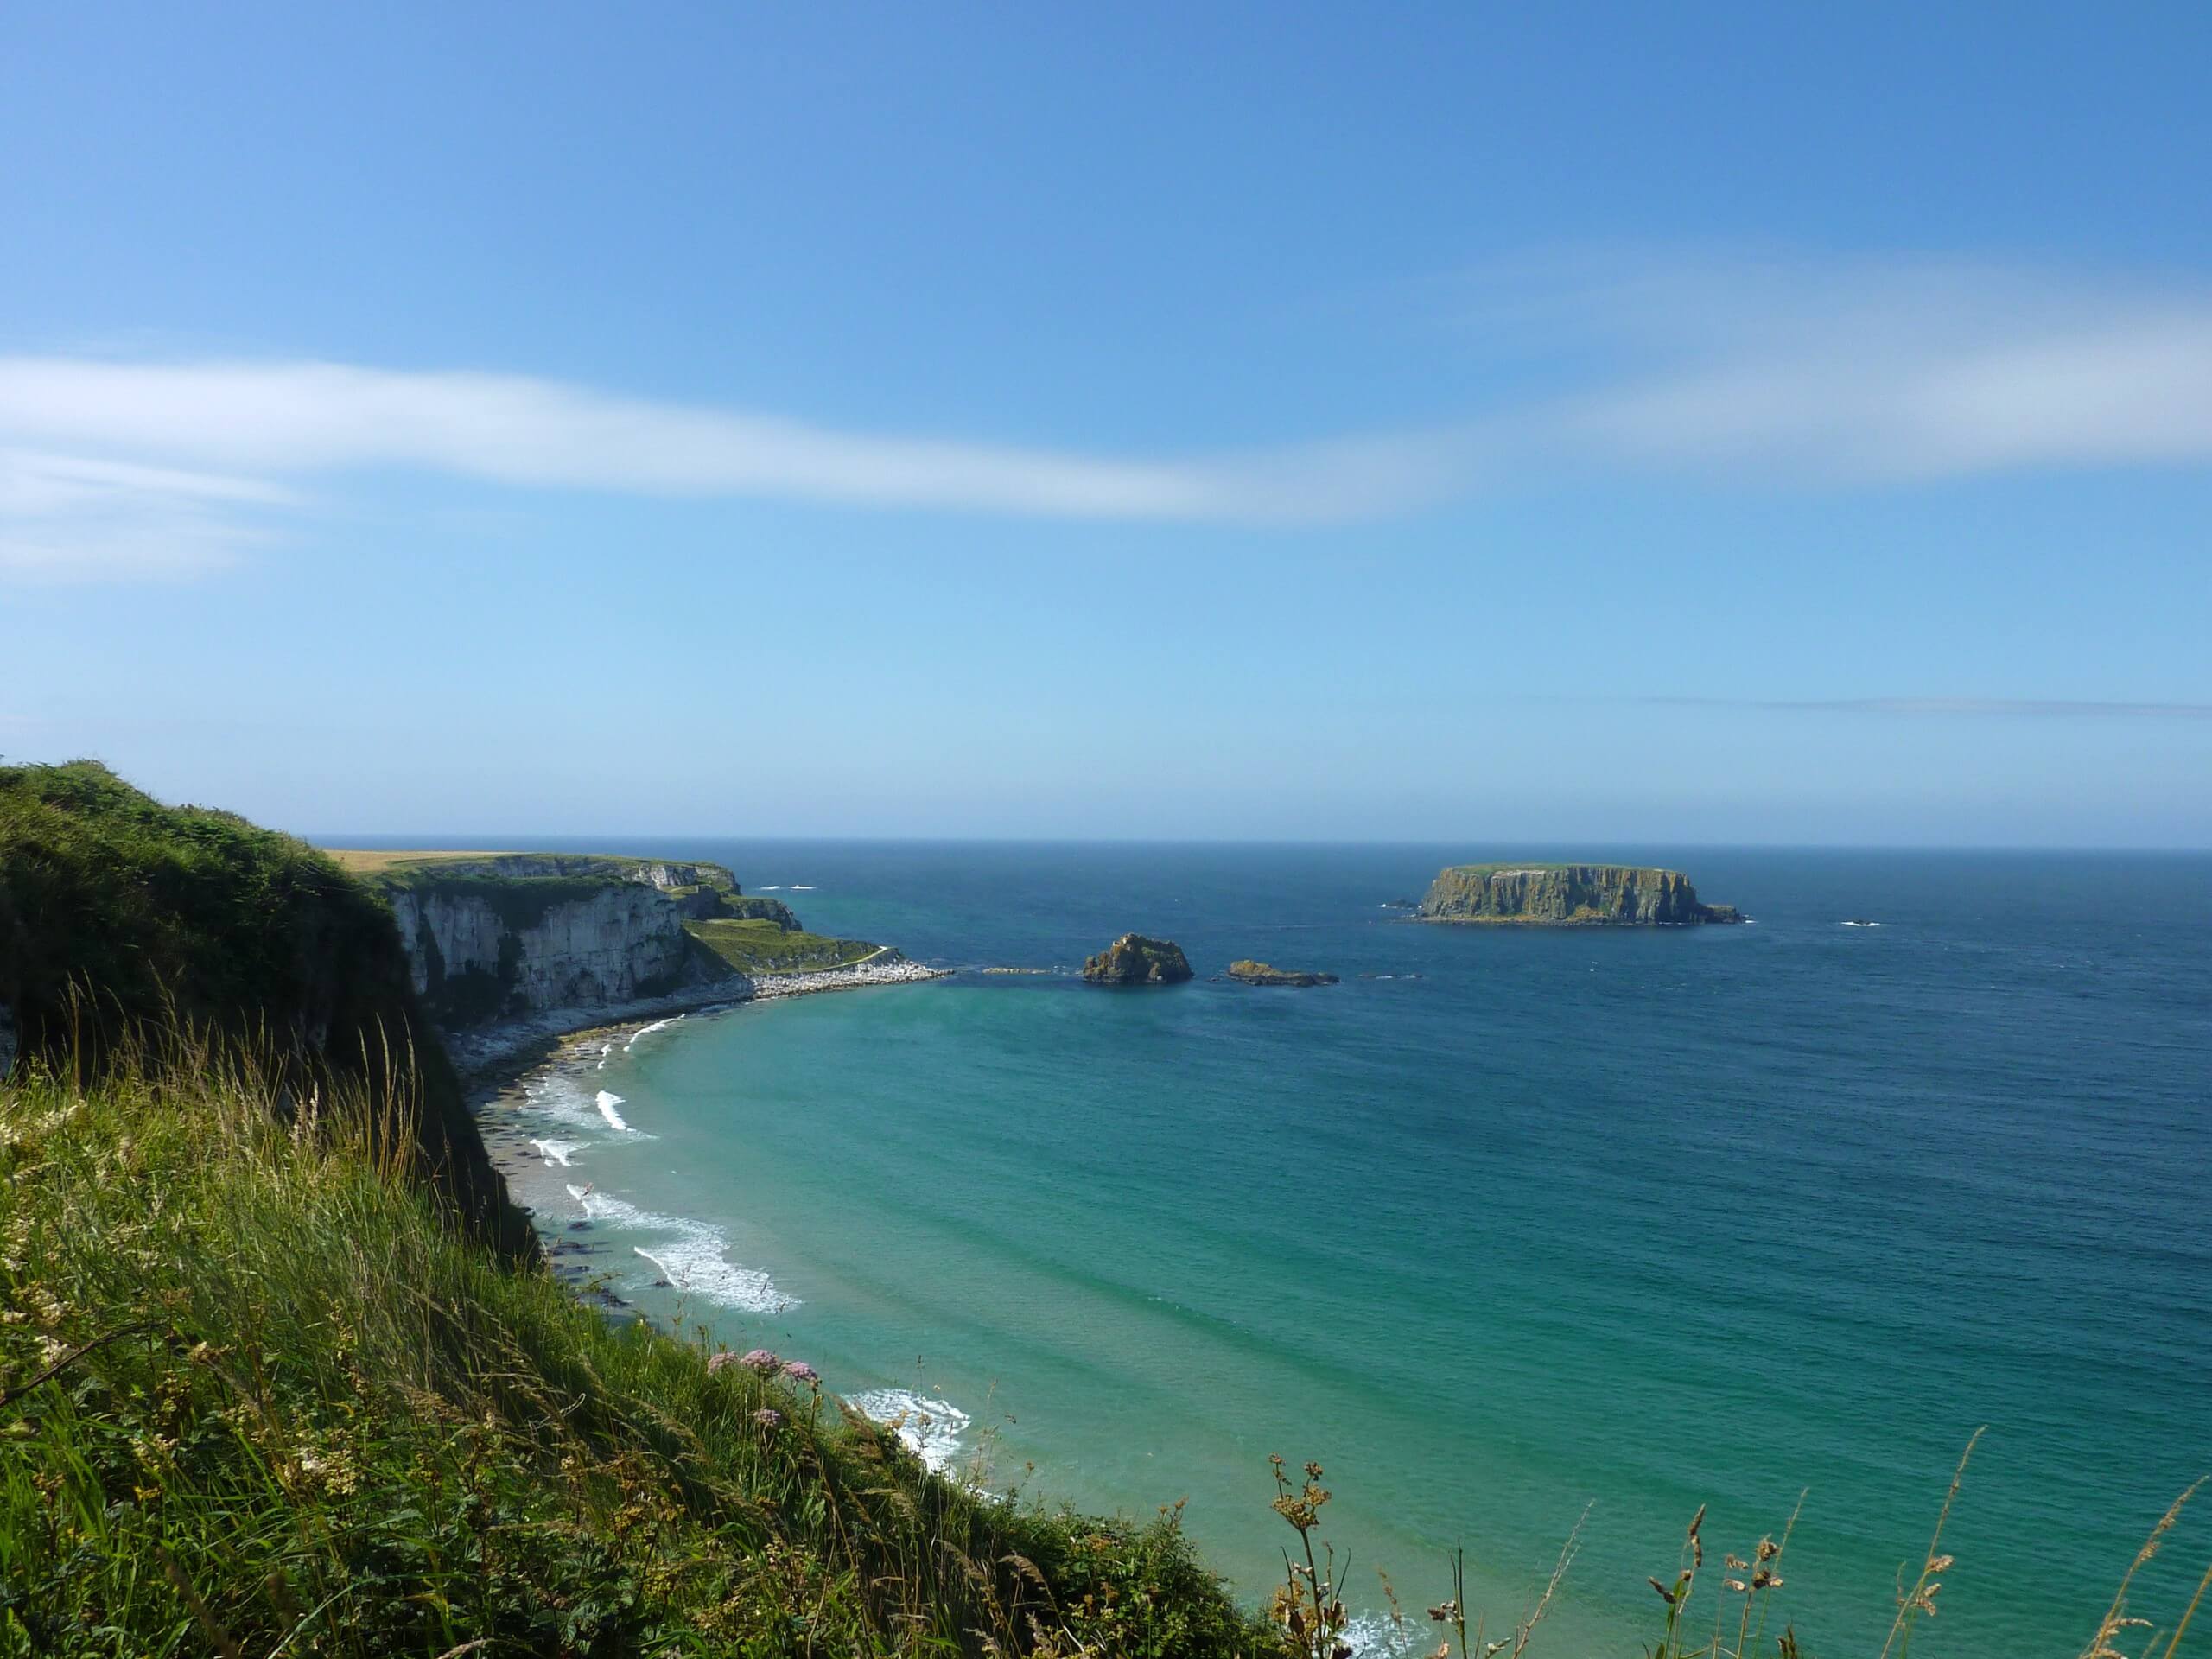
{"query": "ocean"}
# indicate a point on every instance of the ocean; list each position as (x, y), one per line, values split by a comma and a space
(1510, 1229)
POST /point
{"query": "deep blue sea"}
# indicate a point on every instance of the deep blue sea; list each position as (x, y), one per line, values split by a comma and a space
(1509, 1223)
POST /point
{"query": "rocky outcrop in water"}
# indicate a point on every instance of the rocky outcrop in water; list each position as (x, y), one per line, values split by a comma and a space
(1568, 895)
(1133, 959)
(1262, 973)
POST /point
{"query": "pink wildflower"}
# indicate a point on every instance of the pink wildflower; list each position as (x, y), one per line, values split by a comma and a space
(760, 1360)
(799, 1371)
(768, 1417)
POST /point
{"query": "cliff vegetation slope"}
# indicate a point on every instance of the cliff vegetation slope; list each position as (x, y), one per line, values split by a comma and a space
(121, 917)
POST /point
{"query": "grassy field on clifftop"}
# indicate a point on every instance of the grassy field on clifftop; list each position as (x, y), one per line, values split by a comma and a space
(762, 947)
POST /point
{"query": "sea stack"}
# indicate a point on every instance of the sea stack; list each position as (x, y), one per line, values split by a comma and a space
(1567, 895)
(1132, 959)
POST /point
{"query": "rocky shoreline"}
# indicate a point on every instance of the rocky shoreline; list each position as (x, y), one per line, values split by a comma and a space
(859, 976)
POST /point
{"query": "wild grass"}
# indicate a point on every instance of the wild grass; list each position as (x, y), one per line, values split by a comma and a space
(1307, 1607)
(120, 918)
(258, 1398)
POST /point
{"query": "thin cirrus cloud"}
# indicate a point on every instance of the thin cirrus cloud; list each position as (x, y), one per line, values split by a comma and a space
(1748, 367)
(1875, 370)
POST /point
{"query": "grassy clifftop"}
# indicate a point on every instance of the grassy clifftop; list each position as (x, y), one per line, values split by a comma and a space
(121, 917)
(762, 946)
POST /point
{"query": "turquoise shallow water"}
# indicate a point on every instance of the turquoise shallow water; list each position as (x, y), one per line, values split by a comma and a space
(1635, 1219)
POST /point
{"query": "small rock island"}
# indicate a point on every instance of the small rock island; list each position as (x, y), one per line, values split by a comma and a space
(1567, 895)
(1133, 959)
(1261, 973)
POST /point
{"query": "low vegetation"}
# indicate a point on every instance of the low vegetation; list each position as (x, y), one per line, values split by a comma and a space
(122, 918)
(763, 945)
(411, 864)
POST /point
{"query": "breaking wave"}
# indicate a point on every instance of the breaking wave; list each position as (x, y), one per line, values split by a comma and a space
(691, 1255)
(647, 1030)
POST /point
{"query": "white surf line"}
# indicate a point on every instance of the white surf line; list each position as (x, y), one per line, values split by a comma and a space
(608, 1103)
(691, 1255)
(646, 1031)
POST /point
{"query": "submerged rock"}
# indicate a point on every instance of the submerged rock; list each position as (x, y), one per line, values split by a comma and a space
(1261, 973)
(1133, 959)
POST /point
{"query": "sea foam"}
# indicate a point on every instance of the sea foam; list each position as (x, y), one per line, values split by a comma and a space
(647, 1030)
(930, 1428)
(554, 1152)
(560, 1099)
(690, 1255)
(608, 1103)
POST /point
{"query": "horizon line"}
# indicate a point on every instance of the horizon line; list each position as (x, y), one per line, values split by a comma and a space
(362, 840)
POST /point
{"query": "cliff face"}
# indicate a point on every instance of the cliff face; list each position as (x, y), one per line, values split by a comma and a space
(518, 934)
(1616, 895)
(471, 962)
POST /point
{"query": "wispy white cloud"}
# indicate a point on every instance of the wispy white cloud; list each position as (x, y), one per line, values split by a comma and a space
(1740, 366)
(514, 430)
(1853, 369)
(66, 517)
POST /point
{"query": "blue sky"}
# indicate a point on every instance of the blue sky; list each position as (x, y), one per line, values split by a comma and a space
(1646, 424)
